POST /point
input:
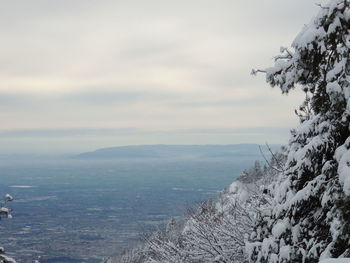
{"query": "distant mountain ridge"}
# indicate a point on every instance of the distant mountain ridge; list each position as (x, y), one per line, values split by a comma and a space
(176, 151)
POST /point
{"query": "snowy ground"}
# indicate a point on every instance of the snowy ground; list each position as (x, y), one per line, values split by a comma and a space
(336, 260)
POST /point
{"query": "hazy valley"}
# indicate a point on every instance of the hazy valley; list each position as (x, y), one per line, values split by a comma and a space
(79, 209)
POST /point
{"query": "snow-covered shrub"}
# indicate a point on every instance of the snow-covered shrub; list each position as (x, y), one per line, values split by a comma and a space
(135, 255)
(5, 212)
(216, 232)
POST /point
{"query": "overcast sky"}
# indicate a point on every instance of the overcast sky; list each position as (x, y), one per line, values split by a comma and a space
(79, 75)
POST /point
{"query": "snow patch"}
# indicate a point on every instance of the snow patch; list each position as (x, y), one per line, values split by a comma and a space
(336, 260)
(280, 228)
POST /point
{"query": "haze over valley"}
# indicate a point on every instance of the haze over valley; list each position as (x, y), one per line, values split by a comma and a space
(90, 206)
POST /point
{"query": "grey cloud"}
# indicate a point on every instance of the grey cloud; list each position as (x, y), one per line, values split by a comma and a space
(233, 102)
(85, 95)
(10, 99)
(147, 48)
(18, 100)
(88, 132)
(102, 97)
(239, 131)
(59, 133)
(118, 95)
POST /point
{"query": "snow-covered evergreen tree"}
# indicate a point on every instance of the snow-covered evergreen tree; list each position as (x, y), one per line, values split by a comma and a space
(311, 218)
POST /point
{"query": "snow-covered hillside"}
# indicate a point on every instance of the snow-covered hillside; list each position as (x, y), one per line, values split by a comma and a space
(215, 230)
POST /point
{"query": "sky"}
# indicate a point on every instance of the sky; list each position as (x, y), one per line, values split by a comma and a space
(80, 75)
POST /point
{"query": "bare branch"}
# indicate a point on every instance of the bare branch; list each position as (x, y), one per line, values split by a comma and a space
(267, 162)
(255, 71)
